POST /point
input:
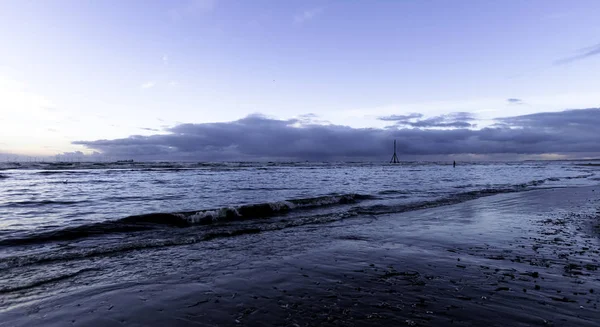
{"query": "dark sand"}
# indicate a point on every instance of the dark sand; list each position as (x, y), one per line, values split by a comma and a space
(523, 259)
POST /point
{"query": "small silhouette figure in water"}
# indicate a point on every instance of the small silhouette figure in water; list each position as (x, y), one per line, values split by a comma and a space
(454, 164)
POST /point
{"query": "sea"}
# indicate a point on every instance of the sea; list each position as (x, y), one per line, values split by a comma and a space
(61, 221)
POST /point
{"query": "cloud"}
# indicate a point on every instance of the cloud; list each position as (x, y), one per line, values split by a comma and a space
(150, 129)
(402, 118)
(148, 85)
(260, 138)
(310, 118)
(514, 101)
(78, 156)
(565, 121)
(452, 120)
(583, 54)
(165, 59)
(308, 15)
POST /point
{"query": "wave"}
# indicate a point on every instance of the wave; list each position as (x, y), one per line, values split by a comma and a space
(533, 183)
(245, 212)
(386, 192)
(63, 172)
(3, 176)
(118, 199)
(86, 182)
(119, 247)
(47, 280)
(22, 204)
(73, 233)
(463, 186)
(162, 169)
(449, 200)
(184, 219)
(580, 176)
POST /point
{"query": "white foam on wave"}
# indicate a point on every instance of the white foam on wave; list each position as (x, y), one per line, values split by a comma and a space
(282, 205)
(231, 212)
(262, 210)
(213, 215)
(328, 200)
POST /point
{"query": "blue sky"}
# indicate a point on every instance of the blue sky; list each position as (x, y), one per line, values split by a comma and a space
(89, 70)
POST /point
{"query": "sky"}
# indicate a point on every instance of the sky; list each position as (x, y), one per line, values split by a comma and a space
(294, 80)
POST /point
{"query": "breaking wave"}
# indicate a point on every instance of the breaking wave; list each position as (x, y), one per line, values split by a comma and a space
(186, 219)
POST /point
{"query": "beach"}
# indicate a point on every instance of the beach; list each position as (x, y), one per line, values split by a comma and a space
(515, 259)
(299, 163)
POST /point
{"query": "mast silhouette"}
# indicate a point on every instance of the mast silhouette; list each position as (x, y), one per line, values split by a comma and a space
(394, 157)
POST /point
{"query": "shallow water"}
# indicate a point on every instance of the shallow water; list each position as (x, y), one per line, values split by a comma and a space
(480, 262)
(51, 196)
(59, 221)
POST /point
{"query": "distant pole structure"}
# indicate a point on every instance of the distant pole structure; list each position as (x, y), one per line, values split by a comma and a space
(394, 157)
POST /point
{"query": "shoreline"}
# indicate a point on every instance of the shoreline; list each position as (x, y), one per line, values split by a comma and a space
(528, 258)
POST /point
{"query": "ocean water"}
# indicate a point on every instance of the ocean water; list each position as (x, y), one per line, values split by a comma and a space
(59, 220)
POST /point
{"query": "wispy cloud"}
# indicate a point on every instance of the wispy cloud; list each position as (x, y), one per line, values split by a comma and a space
(308, 15)
(410, 116)
(310, 119)
(451, 120)
(514, 101)
(148, 85)
(582, 54)
(165, 59)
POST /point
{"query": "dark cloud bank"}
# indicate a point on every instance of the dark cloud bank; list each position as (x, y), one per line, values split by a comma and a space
(572, 132)
(453, 120)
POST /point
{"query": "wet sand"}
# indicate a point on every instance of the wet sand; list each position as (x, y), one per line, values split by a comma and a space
(520, 259)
